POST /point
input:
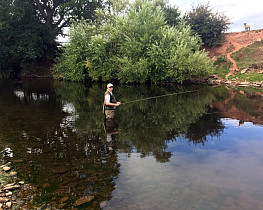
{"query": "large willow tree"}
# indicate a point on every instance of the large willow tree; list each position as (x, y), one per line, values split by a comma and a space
(132, 43)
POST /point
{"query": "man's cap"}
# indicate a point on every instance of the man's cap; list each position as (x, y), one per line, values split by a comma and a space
(109, 85)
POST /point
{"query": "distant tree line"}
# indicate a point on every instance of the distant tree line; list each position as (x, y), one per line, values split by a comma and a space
(109, 39)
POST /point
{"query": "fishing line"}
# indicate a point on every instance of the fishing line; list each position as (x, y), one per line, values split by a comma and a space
(143, 99)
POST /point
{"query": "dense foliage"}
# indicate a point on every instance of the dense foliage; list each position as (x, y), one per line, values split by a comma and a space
(132, 43)
(28, 30)
(172, 15)
(208, 25)
(24, 41)
(57, 14)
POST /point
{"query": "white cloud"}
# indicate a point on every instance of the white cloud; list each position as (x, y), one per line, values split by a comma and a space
(238, 11)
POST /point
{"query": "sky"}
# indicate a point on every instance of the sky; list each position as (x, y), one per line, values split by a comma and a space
(238, 11)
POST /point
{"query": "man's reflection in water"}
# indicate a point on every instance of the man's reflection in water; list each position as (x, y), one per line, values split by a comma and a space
(111, 128)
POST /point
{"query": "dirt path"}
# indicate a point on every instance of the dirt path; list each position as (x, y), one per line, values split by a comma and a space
(236, 40)
(237, 47)
(234, 64)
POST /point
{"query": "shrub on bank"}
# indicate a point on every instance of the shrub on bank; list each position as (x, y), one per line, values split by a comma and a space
(133, 44)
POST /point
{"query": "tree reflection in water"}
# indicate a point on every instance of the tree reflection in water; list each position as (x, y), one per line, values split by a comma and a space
(51, 153)
(208, 124)
(63, 147)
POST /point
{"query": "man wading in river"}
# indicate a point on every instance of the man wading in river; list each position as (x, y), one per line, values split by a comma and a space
(110, 103)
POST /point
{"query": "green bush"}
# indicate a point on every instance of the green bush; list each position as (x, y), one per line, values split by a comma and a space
(208, 25)
(133, 45)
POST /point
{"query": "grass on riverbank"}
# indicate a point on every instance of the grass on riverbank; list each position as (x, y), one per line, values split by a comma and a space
(222, 65)
(245, 57)
(250, 77)
(252, 54)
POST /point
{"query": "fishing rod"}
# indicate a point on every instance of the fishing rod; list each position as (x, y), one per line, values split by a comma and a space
(143, 99)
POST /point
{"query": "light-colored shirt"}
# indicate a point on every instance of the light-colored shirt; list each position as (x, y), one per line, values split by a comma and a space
(109, 138)
(107, 97)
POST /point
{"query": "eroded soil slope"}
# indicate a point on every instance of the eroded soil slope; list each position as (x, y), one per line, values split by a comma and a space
(234, 42)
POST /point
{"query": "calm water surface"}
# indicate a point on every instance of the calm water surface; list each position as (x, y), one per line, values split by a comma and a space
(196, 150)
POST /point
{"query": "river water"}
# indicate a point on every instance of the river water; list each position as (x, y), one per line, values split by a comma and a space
(198, 149)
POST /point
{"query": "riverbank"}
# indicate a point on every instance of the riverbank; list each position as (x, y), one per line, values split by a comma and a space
(216, 80)
(9, 186)
(249, 77)
(239, 59)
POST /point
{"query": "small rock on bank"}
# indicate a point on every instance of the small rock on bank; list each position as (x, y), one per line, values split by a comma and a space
(83, 200)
